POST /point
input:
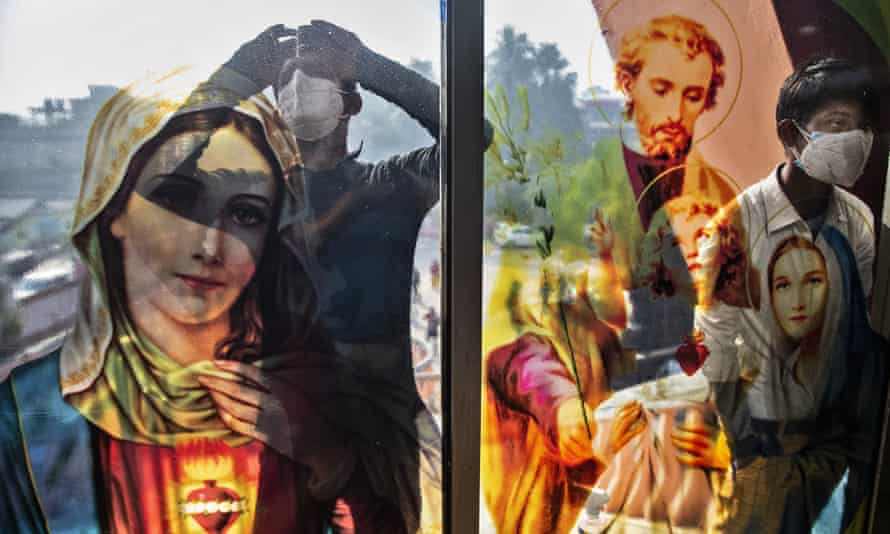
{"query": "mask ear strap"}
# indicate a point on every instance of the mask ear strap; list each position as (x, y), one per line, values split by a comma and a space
(804, 133)
(801, 129)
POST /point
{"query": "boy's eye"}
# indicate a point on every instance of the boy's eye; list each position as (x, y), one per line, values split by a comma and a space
(838, 125)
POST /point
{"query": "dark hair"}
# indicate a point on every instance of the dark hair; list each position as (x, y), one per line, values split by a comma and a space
(266, 318)
(823, 79)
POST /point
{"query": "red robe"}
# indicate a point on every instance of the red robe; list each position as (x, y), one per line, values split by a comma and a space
(157, 490)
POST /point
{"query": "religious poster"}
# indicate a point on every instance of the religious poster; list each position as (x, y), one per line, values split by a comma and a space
(220, 305)
(680, 247)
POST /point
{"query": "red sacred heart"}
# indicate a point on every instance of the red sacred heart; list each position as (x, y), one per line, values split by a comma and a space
(692, 354)
(211, 517)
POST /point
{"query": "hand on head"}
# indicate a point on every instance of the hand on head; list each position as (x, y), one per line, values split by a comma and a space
(262, 58)
(327, 50)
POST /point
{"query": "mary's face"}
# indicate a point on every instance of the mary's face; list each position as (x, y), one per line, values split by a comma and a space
(193, 230)
(799, 289)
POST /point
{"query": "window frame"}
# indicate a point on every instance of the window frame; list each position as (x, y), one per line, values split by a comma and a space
(462, 196)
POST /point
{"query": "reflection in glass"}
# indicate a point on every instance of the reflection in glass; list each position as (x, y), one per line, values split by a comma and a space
(242, 301)
(611, 400)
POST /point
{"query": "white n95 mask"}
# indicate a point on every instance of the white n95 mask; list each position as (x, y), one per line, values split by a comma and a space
(311, 107)
(835, 158)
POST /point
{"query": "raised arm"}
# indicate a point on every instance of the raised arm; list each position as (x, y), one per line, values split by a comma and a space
(725, 282)
(399, 85)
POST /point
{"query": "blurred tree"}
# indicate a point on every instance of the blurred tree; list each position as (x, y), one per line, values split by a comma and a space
(517, 168)
(540, 68)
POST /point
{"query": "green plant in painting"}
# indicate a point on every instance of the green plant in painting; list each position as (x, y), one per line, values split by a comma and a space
(506, 153)
(515, 166)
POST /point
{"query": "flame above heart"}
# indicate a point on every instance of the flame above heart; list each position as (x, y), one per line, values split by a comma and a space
(204, 459)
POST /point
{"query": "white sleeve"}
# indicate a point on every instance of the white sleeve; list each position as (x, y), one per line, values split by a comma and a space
(864, 249)
(719, 323)
(716, 320)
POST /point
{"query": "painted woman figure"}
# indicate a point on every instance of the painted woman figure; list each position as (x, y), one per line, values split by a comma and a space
(812, 407)
(179, 404)
(799, 288)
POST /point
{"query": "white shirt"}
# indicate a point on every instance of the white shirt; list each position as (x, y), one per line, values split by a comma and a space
(748, 340)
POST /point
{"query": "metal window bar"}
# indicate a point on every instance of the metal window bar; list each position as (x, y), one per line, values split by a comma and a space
(462, 193)
(879, 520)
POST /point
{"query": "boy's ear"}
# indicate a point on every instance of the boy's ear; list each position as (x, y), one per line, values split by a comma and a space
(352, 103)
(790, 136)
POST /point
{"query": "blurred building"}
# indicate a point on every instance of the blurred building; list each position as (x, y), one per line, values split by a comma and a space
(29, 223)
(43, 157)
(602, 112)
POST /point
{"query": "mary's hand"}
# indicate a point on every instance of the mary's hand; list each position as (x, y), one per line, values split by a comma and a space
(247, 404)
(263, 405)
(257, 403)
(332, 45)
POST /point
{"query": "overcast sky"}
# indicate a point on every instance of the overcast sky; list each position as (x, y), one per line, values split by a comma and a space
(56, 48)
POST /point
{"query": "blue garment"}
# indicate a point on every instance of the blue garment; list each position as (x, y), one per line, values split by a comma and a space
(47, 481)
(858, 378)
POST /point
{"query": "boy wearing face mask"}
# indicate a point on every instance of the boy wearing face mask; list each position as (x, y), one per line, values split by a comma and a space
(355, 236)
(366, 215)
(363, 225)
(802, 425)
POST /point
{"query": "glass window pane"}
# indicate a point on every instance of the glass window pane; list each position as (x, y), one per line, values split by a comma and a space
(676, 298)
(221, 268)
